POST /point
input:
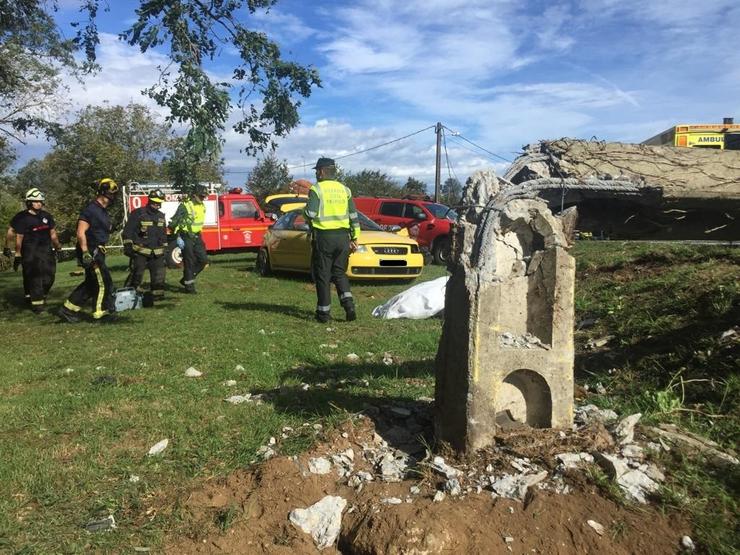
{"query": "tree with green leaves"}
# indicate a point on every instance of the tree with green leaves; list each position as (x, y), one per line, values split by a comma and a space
(269, 176)
(371, 183)
(126, 143)
(32, 55)
(451, 192)
(414, 187)
(267, 87)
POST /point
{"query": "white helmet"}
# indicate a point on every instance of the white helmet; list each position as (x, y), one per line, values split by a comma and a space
(34, 195)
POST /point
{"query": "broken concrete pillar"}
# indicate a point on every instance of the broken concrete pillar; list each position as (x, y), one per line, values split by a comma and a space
(506, 352)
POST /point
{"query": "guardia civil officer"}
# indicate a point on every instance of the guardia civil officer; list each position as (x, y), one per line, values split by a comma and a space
(144, 242)
(33, 233)
(335, 228)
(187, 224)
(93, 230)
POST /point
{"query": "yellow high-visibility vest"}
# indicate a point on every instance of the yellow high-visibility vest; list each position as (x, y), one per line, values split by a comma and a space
(333, 205)
(194, 219)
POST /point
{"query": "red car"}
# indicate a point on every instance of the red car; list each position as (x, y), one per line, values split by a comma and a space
(428, 222)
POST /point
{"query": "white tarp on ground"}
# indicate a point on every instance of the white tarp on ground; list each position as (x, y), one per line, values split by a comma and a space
(420, 301)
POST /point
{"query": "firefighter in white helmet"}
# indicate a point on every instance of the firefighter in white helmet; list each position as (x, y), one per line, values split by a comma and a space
(32, 233)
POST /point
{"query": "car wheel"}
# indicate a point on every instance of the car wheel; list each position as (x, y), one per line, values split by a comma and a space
(441, 251)
(173, 256)
(263, 263)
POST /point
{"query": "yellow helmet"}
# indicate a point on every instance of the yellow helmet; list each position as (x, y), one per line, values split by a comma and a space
(107, 187)
(156, 196)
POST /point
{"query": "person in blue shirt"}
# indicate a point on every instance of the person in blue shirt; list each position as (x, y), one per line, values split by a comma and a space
(93, 231)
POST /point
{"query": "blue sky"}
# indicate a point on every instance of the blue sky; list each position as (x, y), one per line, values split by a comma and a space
(501, 73)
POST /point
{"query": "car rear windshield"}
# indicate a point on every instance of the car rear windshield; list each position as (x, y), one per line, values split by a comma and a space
(441, 211)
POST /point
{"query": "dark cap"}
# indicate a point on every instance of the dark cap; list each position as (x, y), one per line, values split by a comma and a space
(324, 163)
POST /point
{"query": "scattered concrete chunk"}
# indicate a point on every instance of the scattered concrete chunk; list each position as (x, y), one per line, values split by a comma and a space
(452, 487)
(591, 413)
(439, 496)
(694, 443)
(573, 460)
(391, 501)
(103, 525)
(688, 544)
(439, 464)
(229, 383)
(633, 451)
(322, 520)
(353, 357)
(636, 484)
(158, 447)
(598, 528)
(239, 399)
(613, 465)
(319, 465)
(392, 469)
(625, 430)
(193, 373)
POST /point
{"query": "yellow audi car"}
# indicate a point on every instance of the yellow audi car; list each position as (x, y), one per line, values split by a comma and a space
(379, 255)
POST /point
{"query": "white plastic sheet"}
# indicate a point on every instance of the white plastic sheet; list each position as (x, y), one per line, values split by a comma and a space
(420, 301)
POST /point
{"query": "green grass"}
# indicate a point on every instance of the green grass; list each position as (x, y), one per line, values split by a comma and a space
(70, 441)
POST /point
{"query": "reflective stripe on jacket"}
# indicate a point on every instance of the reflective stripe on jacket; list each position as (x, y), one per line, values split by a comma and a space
(193, 218)
(332, 208)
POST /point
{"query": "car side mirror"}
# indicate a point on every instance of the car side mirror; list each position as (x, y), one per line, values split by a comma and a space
(394, 228)
(420, 216)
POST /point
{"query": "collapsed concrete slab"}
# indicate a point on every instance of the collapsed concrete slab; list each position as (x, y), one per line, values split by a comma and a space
(506, 353)
(636, 191)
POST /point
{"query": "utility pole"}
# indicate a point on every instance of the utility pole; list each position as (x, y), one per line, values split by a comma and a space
(438, 167)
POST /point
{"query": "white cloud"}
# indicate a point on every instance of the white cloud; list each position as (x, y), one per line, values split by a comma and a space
(125, 73)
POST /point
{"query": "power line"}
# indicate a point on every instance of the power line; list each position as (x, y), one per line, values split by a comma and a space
(352, 153)
(461, 145)
(456, 134)
(374, 147)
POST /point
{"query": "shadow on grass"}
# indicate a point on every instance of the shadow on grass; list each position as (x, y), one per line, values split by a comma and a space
(404, 421)
(270, 308)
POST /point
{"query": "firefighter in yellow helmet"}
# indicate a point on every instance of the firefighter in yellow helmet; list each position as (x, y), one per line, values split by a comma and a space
(33, 234)
(335, 228)
(144, 242)
(93, 231)
(187, 224)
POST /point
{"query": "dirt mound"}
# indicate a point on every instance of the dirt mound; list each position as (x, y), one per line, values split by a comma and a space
(247, 512)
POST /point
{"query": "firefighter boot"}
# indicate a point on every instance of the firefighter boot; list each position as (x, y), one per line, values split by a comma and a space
(68, 315)
(349, 311)
(322, 316)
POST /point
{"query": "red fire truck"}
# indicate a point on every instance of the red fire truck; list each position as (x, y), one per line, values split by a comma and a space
(234, 220)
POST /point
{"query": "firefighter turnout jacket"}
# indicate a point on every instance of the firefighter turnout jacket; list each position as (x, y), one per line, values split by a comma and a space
(189, 218)
(330, 207)
(146, 231)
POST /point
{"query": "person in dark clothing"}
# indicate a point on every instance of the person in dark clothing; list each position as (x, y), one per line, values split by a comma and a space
(35, 242)
(187, 224)
(93, 231)
(144, 242)
(335, 228)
